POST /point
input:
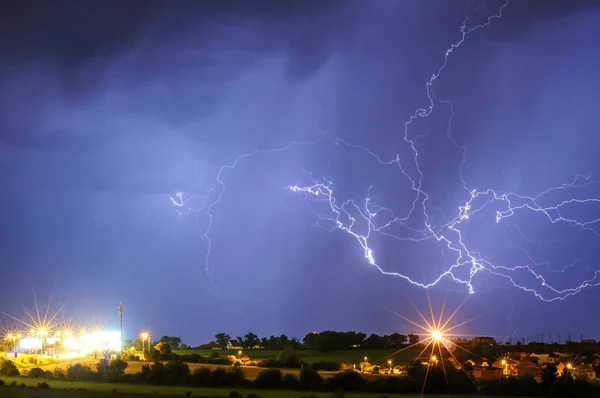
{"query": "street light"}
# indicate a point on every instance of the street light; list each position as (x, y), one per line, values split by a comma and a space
(366, 359)
(239, 353)
(144, 336)
(10, 337)
(390, 363)
(19, 336)
(42, 333)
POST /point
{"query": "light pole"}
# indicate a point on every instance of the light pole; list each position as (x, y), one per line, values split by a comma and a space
(57, 342)
(11, 338)
(43, 333)
(121, 309)
(144, 336)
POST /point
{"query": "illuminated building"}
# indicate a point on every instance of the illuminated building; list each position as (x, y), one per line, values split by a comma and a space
(81, 344)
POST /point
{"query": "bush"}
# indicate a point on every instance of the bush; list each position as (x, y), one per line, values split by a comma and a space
(270, 378)
(177, 372)
(79, 372)
(348, 381)
(235, 394)
(252, 395)
(58, 374)
(289, 357)
(36, 373)
(290, 382)
(327, 365)
(201, 377)
(235, 377)
(43, 385)
(1, 382)
(310, 380)
(8, 368)
(192, 358)
(270, 363)
(111, 371)
(218, 377)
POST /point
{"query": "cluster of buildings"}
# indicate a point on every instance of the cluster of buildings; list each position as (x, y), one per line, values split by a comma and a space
(520, 364)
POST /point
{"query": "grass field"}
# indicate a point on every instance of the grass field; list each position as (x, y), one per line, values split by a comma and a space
(68, 389)
(312, 356)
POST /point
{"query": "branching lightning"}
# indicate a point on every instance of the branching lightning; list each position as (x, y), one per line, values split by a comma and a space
(346, 215)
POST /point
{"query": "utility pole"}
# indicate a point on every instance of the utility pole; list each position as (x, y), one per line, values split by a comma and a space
(121, 309)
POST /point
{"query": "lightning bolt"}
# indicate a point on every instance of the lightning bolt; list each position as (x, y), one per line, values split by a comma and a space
(180, 200)
(345, 215)
(363, 220)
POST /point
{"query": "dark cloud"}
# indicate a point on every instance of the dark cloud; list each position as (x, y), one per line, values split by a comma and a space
(520, 17)
(84, 39)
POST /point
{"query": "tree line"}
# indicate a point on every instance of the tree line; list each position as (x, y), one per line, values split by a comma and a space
(419, 379)
(333, 340)
(327, 340)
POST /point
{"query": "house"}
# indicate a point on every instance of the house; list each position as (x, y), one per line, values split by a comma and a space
(579, 371)
(529, 368)
(584, 372)
(209, 346)
(562, 355)
(234, 345)
(487, 373)
(543, 358)
(588, 341)
(483, 341)
(508, 366)
(518, 355)
(460, 341)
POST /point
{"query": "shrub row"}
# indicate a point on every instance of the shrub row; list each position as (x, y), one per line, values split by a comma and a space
(287, 358)
(438, 381)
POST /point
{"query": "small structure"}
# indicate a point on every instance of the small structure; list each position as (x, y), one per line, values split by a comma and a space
(210, 346)
(529, 368)
(508, 366)
(234, 345)
(483, 341)
(580, 371)
(543, 358)
(486, 373)
(588, 341)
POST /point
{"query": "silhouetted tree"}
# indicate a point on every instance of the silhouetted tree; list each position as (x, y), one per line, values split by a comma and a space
(251, 340)
(173, 341)
(413, 339)
(222, 339)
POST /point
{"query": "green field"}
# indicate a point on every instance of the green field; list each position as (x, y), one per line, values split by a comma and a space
(311, 356)
(69, 389)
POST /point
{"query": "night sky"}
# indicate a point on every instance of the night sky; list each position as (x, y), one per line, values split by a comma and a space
(109, 109)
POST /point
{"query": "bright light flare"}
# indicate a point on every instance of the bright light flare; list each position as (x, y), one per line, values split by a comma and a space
(437, 343)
